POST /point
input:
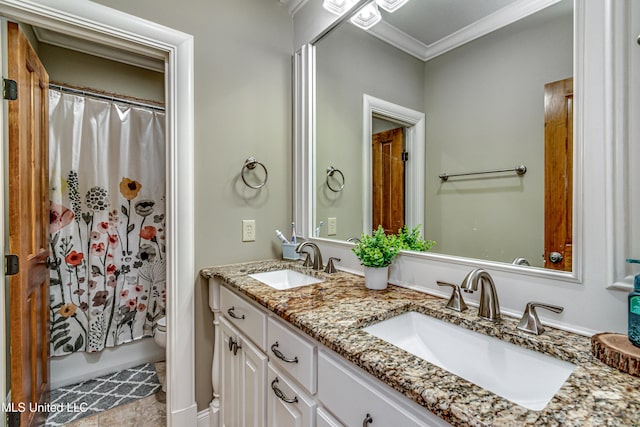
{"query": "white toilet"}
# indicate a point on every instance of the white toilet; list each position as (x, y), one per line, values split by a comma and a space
(160, 337)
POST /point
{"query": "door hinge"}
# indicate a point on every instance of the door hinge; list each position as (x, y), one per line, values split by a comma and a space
(11, 265)
(405, 156)
(9, 89)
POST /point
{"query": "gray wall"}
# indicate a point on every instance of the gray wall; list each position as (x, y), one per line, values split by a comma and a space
(485, 110)
(350, 63)
(243, 51)
(79, 69)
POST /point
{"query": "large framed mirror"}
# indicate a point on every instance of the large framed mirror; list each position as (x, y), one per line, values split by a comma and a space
(495, 83)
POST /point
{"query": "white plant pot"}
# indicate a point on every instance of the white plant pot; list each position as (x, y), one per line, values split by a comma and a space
(376, 277)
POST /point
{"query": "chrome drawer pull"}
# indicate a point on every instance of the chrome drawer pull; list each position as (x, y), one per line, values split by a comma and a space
(281, 356)
(280, 394)
(233, 314)
(367, 420)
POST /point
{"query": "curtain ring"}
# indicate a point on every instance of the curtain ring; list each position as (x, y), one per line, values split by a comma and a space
(251, 164)
(330, 171)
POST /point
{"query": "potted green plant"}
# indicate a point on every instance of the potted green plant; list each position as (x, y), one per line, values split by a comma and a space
(413, 240)
(376, 252)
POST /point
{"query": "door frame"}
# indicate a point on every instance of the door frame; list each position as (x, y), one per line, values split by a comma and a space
(106, 26)
(414, 122)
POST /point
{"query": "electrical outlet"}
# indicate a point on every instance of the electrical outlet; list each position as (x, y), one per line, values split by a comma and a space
(332, 226)
(248, 230)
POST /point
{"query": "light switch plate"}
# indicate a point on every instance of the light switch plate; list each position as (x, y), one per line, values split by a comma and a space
(332, 226)
(248, 230)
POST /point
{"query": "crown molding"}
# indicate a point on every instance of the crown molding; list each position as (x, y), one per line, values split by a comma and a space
(501, 18)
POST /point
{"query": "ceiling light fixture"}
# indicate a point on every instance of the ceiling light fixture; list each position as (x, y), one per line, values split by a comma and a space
(391, 5)
(367, 17)
(338, 7)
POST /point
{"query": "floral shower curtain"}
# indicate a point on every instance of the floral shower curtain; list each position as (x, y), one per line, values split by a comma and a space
(107, 197)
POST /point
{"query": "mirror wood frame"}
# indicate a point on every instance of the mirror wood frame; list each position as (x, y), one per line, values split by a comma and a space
(305, 142)
(106, 26)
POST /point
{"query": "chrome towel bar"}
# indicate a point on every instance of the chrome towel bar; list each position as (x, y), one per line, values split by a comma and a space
(520, 170)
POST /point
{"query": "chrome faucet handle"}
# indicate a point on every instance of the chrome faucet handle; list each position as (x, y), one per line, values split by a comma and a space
(455, 301)
(330, 267)
(530, 322)
(307, 260)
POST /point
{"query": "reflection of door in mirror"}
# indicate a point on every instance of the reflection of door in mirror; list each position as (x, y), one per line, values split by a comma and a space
(558, 164)
(387, 165)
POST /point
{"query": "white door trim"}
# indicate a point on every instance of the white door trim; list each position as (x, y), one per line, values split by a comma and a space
(106, 26)
(414, 121)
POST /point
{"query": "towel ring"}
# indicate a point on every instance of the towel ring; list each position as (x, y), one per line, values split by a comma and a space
(330, 171)
(251, 164)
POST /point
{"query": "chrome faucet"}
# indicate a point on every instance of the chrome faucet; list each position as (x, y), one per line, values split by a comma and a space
(317, 256)
(489, 307)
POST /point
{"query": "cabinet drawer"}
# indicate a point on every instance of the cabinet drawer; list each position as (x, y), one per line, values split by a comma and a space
(352, 398)
(325, 419)
(300, 354)
(243, 315)
(287, 404)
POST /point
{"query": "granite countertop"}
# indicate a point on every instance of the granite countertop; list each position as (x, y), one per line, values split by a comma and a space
(334, 311)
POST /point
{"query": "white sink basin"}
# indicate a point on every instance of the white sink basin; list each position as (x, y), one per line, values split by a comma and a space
(522, 376)
(285, 279)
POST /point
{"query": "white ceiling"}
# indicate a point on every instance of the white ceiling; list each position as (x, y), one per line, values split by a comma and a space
(428, 28)
(431, 20)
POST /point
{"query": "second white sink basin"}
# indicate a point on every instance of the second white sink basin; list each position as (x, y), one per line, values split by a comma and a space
(522, 376)
(285, 279)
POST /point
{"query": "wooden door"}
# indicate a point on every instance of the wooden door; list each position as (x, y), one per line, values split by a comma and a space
(29, 228)
(388, 179)
(558, 177)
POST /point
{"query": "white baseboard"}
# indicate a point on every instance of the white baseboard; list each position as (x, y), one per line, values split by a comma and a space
(81, 366)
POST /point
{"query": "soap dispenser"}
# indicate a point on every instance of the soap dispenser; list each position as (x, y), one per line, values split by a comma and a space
(634, 309)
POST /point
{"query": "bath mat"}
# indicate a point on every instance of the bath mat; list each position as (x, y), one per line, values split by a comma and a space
(90, 397)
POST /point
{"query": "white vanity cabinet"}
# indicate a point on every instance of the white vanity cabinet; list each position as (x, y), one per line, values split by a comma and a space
(287, 404)
(357, 400)
(245, 315)
(325, 419)
(292, 353)
(268, 373)
(244, 380)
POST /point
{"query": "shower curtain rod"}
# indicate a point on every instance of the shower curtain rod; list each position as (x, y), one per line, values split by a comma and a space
(106, 97)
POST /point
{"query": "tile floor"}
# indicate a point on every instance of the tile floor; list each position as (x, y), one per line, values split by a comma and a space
(148, 412)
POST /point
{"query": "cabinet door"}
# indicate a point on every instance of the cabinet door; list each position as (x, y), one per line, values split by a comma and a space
(287, 404)
(324, 419)
(231, 378)
(253, 384)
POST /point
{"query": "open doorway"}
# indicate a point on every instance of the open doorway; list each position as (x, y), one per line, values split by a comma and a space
(104, 26)
(90, 139)
(378, 114)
